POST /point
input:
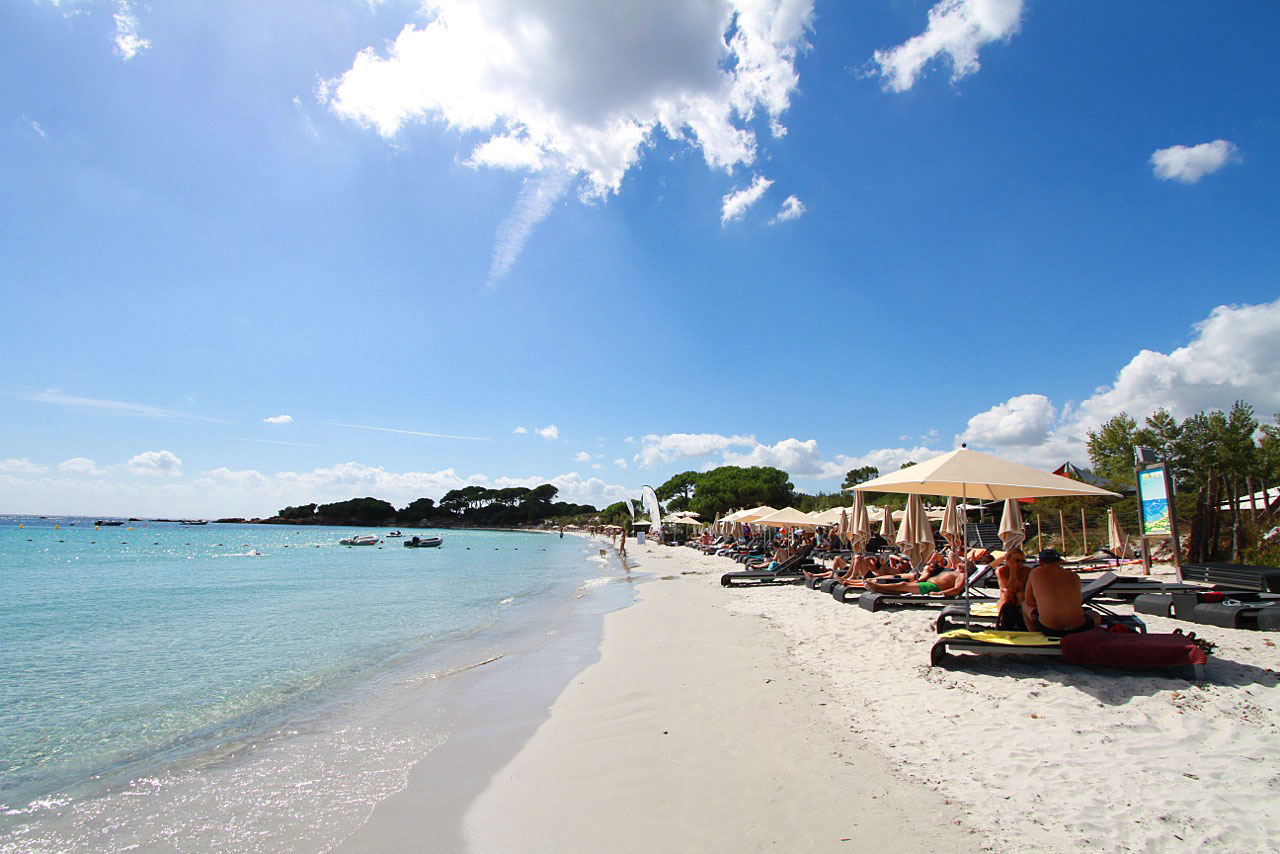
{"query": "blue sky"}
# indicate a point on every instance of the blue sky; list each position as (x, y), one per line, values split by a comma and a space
(1005, 222)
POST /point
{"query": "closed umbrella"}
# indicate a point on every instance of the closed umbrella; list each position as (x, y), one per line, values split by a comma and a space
(859, 524)
(842, 527)
(1119, 543)
(951, 530)
(915, 538)
(1012, 531)
(886, 524)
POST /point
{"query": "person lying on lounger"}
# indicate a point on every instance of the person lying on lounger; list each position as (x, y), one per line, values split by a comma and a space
(949, 582)
(1052, 603)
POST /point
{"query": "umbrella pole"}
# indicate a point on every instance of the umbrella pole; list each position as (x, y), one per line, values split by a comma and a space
(968, 605)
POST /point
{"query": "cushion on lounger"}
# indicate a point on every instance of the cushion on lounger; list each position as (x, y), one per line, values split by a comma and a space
(1002, 638)
(1123, 649)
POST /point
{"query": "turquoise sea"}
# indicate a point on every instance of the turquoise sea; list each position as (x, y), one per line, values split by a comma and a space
(250, 687)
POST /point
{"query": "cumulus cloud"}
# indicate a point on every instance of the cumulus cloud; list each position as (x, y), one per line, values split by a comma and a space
(735, 205)
(128, 42)
(579, 90)
(621, 462)
(79, 465)
(655, 449)
(550, 432)
(21, 465)
(155, 463)
(957, 29)
(520, 431)
(1190, 163)
(792, 208)
(279, 419)
(1022, 420)
(1234, 355)
(573, 488)
(582, 457)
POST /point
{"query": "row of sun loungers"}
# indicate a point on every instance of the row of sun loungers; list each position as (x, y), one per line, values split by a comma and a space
(967, 624)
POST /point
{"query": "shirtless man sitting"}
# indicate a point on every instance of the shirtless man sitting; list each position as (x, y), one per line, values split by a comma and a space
(949, 582)
(1052, 603)
(1011, 572)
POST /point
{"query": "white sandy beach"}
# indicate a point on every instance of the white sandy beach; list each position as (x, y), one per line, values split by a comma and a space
(744, 720)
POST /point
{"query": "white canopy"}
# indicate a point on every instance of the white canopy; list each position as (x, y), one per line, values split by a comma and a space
(788, 517)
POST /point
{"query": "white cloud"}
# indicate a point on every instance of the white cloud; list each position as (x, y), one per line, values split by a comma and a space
(156, 463)
(279, 419)
(582, 457)
(35, 126)
(1022, 420)
(408, 432)
(1189, 164)
(21, 465)
(520, 430)
(79, 465)
(735, 205)
(957, 29)
(580, 90)
(791, 455)
(550, 432)
(655, 449)
(792, 208)
(621, 462)
(128, 42)
(1234, 355)
(112, 407)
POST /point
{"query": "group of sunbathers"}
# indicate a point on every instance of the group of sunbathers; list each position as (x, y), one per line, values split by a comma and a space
(944, 573)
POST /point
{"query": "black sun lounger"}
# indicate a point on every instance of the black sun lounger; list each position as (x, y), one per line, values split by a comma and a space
(873, 601)
(786, 573)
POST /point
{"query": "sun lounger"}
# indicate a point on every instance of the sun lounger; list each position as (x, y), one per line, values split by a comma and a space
(1227, 609)
(873, 601)
(788, 572)
(1262, 579)
(1095, 649)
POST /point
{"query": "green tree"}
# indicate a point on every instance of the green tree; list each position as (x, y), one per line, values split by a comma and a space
(1111, 449)
(416, 511)
(727, 487)
(853, 477)
(303, 511)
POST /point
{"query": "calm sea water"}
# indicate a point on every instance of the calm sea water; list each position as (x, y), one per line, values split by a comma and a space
(239, 686)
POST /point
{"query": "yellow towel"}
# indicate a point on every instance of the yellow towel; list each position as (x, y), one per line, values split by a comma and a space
(999, 637)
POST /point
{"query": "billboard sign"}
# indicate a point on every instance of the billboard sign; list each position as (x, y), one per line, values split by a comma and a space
(1153, 498)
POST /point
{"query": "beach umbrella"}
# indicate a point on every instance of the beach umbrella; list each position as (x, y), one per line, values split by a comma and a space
(886, 524)
(755, 513)
(842, 527)
(1012, 530)
(972, 474)
(1119, 543)
(915, 537)
(951, 530)
(859, 524)
(788, 517)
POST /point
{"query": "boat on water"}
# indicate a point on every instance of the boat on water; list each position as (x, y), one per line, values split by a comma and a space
(416, 542)
(394, 534)
(195, 521)
(360, 540)
(108, 523)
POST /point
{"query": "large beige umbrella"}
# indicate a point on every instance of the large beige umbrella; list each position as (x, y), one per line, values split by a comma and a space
(973, 474)
(859, 525)
(754, 514)
(830, 516)
(951, 530)
(915, 538)
(787, 517)
(1012, 531)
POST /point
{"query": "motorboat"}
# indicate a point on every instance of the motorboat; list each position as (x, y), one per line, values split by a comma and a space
(359, 540)
(108, 523)
(394, 534)
(416, 542)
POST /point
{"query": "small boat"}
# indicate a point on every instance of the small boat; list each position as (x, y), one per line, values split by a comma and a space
(423, 542)
(394, 534)
(108, 523)
(359, 540)
(195, 521)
